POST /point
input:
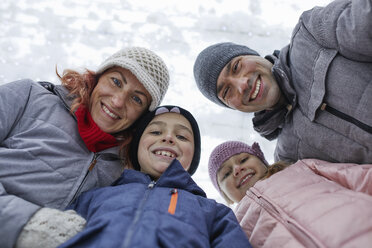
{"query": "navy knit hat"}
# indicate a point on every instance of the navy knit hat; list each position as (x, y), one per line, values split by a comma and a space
(226, 150)
(211, 61)
(143, 122)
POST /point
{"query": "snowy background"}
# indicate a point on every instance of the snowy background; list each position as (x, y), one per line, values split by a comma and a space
(38, 36)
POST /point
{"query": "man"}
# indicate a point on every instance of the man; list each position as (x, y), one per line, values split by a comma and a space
(314, 96)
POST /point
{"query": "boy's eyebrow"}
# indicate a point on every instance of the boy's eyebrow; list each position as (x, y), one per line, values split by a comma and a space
(160, 123)
(185, 128)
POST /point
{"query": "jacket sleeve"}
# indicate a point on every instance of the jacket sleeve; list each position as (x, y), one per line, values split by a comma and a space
(227, 231)
(15, 211)
(344, 25)
(357, 177)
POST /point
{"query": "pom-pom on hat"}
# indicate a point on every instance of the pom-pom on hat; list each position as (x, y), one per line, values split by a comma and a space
(211, 61)
(226, 150)
(144, 121)
(147, 66)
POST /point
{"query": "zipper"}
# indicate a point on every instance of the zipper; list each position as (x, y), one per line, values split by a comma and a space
(137, 215)
(345, 117)
(91, 166)
(302, 236)
(173, 201)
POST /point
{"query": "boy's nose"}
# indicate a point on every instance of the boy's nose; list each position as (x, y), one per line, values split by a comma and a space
(168, 138)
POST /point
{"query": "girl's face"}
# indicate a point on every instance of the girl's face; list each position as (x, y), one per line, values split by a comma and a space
(118, 99)
(168, 136)
(237, 174)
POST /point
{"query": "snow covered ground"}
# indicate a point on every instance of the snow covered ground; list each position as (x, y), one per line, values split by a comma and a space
(38, 36)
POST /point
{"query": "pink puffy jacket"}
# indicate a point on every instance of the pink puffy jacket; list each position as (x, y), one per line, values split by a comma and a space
(312, 203)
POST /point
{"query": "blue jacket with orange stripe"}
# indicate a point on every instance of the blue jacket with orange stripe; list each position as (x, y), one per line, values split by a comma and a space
(171, 212)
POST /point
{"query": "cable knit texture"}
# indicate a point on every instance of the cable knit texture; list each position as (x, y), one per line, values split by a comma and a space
(94, 138)
(48, 228)
(147, 66)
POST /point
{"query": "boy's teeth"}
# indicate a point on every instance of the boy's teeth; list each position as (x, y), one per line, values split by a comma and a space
(109, 112)
(165, 153)
(254, 95)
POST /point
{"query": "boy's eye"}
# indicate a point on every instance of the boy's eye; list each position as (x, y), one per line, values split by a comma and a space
(155, 132)
(180, 137)
(116, 82)
(137, 100)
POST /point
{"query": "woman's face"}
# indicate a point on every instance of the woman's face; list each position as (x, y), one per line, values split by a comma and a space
(118, 100)
(168, 136)
(237, 174)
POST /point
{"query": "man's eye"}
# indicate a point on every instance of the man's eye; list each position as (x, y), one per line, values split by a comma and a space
(236, 65)
(224, 94)
(155, 132)
(137, 100)
(116, 82)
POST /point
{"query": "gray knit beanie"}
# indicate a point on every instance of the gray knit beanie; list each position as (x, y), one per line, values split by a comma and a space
(147, 66)
(211, 61)
(226, 150)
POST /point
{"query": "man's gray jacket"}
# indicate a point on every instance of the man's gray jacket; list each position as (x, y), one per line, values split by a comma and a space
(326, 75)
(43, 160)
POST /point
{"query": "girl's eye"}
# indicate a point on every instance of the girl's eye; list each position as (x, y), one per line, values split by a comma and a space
(236, 65)
(137, 100)
(116, 82)
(243, 160)
(228, 173)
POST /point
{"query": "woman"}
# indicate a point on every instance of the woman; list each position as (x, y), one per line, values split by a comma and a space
(61, 141)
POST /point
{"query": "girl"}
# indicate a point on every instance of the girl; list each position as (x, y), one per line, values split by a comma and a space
(57, 141)
(158, 204)
(311, 203)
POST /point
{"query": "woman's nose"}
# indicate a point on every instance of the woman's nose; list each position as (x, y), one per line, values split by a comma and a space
(118, 100)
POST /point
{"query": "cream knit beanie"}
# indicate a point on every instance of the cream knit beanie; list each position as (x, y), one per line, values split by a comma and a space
(147, 66)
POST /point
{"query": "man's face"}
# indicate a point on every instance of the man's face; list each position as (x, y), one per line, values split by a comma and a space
(247, 84)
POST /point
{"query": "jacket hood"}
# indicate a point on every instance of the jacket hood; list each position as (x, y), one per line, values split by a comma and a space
(175, 176)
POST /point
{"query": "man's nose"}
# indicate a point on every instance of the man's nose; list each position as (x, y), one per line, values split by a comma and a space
(240, 84)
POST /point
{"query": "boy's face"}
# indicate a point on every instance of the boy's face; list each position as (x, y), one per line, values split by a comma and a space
(168, 136)
(237, 174)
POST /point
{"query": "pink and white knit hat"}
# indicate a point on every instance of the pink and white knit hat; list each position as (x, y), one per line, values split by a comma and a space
(226, 150)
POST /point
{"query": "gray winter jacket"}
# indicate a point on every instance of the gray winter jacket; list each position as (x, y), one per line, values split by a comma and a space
(326, 75)
(43, 160)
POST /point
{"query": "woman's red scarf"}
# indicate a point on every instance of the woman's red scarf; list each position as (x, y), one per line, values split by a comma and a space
(94, 138)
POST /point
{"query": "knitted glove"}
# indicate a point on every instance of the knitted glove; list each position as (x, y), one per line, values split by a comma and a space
(49, 228)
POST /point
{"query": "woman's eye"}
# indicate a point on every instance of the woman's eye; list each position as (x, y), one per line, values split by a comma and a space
(236, 65)
(137, 100)
(116, 82)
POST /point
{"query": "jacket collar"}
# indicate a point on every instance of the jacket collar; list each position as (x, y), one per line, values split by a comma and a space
(175, 176)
